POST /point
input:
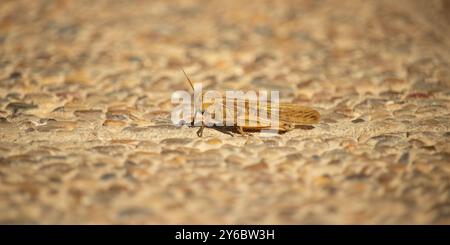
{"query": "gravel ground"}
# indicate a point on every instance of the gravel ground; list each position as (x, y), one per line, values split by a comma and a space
(86, 137)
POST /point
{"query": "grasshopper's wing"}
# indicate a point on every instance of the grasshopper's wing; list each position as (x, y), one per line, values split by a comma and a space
(287, 113)
(252, 118)
(297, 115)
(247, 111)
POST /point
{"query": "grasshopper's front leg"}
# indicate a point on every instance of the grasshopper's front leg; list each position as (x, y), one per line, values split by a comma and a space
(240, 130)
(200, 130)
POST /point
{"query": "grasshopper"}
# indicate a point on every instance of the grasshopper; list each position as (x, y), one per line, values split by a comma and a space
(289, 115)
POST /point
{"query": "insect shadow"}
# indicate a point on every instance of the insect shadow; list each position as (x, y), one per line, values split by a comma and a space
(232, 130)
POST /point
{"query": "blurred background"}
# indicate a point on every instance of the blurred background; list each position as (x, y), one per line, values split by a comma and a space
(86, 137)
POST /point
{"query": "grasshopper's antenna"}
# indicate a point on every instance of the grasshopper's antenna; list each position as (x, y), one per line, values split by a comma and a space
(189, 80)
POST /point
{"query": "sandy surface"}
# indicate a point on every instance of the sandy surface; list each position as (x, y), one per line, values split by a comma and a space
(85, 133)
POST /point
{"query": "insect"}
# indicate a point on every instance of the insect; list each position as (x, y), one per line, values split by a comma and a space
(289, 115)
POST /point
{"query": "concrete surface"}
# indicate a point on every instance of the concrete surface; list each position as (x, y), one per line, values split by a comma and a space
(85, 133)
